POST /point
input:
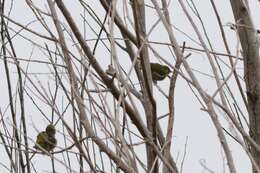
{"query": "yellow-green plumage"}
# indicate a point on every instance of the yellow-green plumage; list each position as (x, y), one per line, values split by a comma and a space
(50, 130)
(41, 141)
(52, 142)
(159, 72)
(46, 139)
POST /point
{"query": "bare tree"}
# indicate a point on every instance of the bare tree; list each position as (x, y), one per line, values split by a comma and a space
(85, 67)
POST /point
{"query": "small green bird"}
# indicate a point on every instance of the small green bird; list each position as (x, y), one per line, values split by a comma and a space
(159, 72)
(46, 139)
(50, 130)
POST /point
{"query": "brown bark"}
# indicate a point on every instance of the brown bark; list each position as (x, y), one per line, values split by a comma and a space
(250, 46)
(149, 103)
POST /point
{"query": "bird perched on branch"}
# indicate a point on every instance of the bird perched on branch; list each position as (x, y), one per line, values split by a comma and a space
(159, 72)
(46, 139)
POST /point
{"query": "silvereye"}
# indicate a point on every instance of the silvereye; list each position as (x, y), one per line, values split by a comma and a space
(159, 72)
(46, 139)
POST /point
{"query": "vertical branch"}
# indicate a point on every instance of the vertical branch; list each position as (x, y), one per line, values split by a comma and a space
(250, 46)
(169, 134)
(4, 34)
(21, 98)
(147, 87)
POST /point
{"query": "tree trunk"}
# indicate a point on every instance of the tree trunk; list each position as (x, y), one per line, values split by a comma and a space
(250, 46)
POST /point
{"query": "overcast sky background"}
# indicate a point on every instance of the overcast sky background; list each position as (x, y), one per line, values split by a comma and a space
(190, 122)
